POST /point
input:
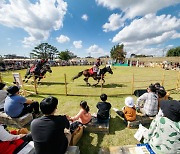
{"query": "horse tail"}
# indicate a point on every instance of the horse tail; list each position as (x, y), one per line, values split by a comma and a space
(77, 76)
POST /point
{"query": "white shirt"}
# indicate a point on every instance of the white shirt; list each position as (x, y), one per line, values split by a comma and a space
(6, 136)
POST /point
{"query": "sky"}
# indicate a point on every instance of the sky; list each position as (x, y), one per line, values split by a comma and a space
(90, 27)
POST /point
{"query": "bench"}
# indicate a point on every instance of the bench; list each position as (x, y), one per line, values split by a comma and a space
(127, 149)
(17, 122)
(29, 149)
(94, 126)
(144, 120)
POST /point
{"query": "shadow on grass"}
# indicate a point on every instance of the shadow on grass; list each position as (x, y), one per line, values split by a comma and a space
(85, 144)
(50, 83)
(116, 124)
(113, 85)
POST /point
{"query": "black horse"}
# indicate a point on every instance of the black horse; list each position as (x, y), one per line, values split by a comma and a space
(37, 74)
(87, 74)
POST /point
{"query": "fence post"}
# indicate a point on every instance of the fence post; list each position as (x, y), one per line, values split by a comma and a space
(162, 83)
(101, 83)
(65, 82)
(178, 78)
(132, 85)
(1, 78)
(22, 84)
(35, 84)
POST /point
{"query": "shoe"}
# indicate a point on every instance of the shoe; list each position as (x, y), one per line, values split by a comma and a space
(115, 109)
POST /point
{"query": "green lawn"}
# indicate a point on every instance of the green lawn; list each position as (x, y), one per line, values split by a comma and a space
(117, 86)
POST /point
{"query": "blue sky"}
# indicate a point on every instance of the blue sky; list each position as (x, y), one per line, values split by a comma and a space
(89, 27)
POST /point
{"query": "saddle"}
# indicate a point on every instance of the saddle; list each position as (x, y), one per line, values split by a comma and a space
(32, 69)
(91, 71)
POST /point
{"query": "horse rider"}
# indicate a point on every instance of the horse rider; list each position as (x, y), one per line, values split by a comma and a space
(40, 64)
(96, 69)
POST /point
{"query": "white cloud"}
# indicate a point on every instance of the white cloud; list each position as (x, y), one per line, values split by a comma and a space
(115, 22)
(84, 17)
(62, 39)
(145, 51)
(96, 51)
(135, 8)
(35, 18)
(77, 44)
(149, 30)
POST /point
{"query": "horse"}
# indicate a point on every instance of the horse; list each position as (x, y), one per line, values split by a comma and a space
(37, 74)
(87, 74)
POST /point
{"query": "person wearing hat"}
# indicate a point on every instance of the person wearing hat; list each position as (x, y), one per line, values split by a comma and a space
(163, 134)
(16, 106)
(150, 102)
(129, 111)
(96, 66)
(3, 94)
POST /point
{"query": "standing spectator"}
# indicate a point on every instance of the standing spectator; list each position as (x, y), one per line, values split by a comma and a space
(16, 106)
(48, 131)
(150, 102)
(103, 109)
(3, 95)
(129, 111)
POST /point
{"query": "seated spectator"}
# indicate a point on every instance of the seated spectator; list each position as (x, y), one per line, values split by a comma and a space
(129, 111)
(150, 102)
(16, 106)
(10, 144)
(83, 116)
(103, 109)
(163, 134)
(3, 95)
(48, 131)
(161, 92)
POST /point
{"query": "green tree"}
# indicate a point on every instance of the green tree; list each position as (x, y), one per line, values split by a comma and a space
(44, 51)
(66, 55)
(117, 53)
(174, 52)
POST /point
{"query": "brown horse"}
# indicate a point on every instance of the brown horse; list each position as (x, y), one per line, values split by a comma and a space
(94, 76)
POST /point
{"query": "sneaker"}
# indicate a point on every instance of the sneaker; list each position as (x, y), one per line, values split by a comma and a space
(115, 109)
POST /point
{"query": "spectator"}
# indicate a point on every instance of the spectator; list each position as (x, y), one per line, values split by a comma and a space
(3, 95)
(164, 133)
(103, 109)
(129, 111)
(48, 131)
(10, 143)
(83, 116)
(16, 106)
(150, 102)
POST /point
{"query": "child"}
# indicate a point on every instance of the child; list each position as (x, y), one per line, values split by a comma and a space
(129, 111)
(103, 109)
(83, 116)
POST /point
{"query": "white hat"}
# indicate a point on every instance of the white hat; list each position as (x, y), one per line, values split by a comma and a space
(129, 101)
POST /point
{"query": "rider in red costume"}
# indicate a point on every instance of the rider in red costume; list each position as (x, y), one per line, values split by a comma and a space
(96, 69)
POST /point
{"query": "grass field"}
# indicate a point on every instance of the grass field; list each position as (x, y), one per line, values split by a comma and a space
(118, 86)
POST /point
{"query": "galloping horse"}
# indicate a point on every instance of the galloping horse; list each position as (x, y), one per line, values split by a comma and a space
(38, 74)
(87, 74)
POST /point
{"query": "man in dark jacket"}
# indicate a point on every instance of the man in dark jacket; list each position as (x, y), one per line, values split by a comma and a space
(48, 131)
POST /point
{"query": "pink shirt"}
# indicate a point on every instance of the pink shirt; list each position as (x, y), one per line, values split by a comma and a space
(82, 117)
